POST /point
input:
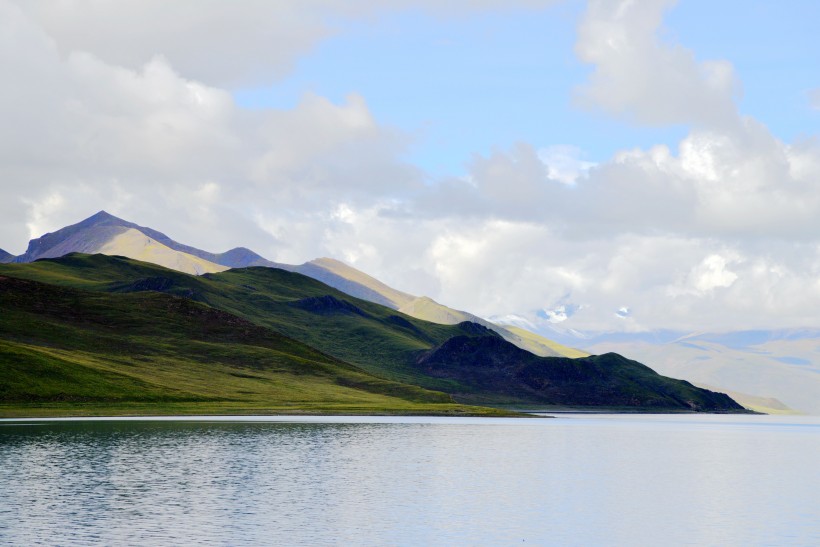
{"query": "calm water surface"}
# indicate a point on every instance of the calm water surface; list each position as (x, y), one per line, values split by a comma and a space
(573, 480)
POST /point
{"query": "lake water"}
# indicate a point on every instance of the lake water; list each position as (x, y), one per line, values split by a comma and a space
(573, 480)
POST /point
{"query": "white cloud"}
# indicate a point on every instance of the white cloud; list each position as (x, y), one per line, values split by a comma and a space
(514, 320)
(640, 77)
(172, 152)
(217, 42)
(41, 211)
(713, 273)
(710, 274)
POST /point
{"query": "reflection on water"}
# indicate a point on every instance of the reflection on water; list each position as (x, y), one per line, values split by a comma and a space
(574, 480)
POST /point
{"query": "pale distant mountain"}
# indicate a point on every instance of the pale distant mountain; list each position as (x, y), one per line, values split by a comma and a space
(5, 257)
(90, 235)
(766, 405)
(781, 364)
(107, 234)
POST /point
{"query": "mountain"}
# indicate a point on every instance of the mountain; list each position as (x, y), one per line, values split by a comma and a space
(349, 280)
(356, 283)
(783, 364)
(148, 352)
(500, 370)
(375, 339)
(778, 364)
(106, 234)
(6, 257)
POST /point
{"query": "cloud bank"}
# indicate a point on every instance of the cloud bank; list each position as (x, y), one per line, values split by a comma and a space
(127, 107)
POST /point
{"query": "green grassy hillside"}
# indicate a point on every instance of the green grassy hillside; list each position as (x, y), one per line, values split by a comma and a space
(374, 338)
(66, 350)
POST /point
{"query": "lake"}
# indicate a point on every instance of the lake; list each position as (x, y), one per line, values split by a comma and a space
(571, 480)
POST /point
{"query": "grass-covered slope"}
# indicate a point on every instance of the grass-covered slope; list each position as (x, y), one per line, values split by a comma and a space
(377, 339)
(68, 350)
(357, 283)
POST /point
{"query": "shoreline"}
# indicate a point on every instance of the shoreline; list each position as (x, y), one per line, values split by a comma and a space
(227, 410)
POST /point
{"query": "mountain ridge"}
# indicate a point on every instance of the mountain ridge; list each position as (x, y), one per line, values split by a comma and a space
(107, 234)
(378, 340)
(564, 381)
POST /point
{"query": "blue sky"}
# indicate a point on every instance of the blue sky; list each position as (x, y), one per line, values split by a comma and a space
(470, 84)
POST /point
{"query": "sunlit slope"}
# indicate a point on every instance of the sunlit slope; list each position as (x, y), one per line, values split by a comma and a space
(134, 244)
(387, 343)
(347, 279)
(351, 281)
(532, 342)
(98, 351)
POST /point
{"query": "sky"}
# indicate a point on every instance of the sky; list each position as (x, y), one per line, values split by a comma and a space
(604, 165)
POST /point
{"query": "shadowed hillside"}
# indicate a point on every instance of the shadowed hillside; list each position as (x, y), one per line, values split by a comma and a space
(497, 370)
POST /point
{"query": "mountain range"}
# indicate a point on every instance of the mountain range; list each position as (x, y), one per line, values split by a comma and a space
(106, 234)
(99, 328)
(775, 377)
(139, 332)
